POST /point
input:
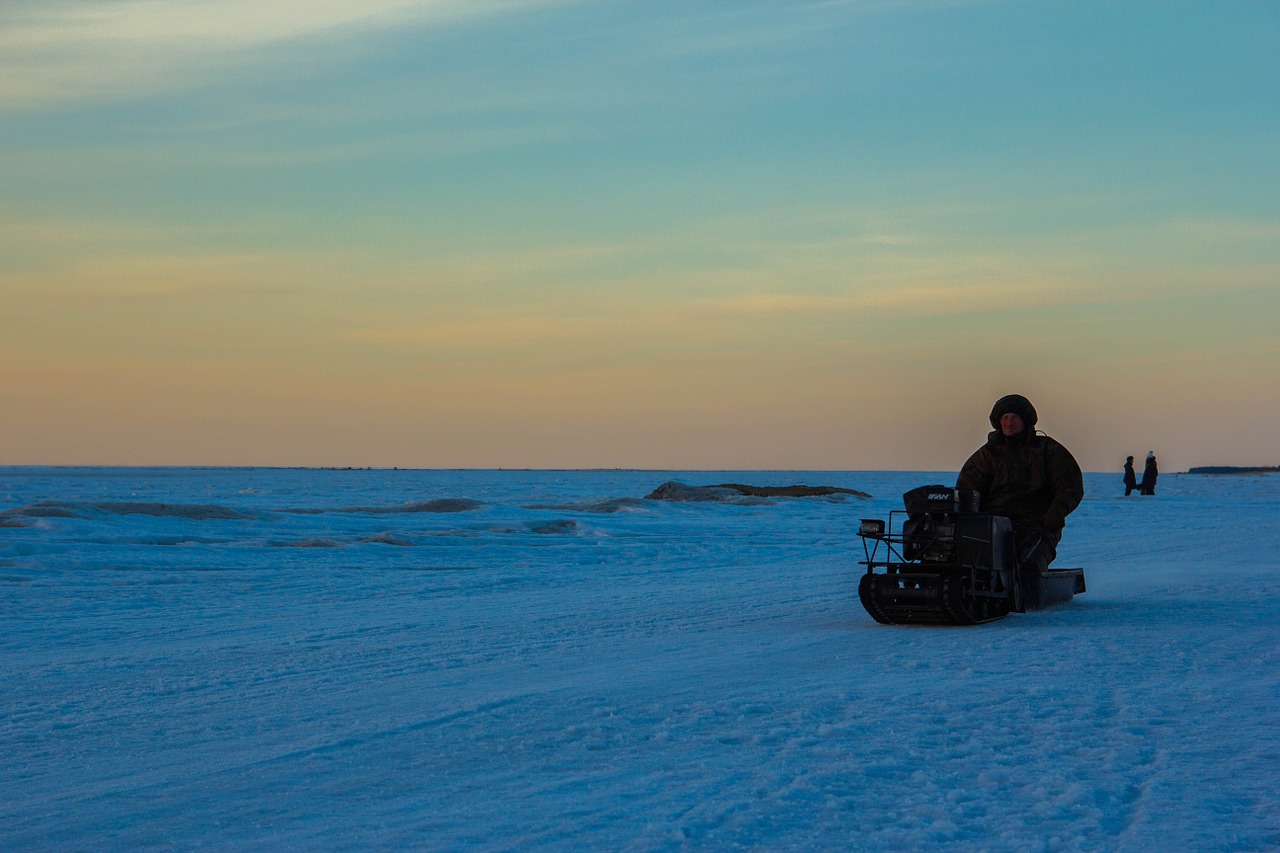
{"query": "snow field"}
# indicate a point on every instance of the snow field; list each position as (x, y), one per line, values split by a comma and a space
(531, 674)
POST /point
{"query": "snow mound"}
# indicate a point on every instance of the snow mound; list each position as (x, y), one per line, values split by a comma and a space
(90, 509)
(674, 490)
(436, 505)
(608, 505)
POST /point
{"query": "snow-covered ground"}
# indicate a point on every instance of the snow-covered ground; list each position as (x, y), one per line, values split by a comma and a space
(511, 660)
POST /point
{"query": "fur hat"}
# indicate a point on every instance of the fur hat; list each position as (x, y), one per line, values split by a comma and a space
(1018, 405)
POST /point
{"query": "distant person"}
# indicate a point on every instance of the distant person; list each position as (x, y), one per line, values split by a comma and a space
(1130, 478)
(1027, 477)
(1149, 474)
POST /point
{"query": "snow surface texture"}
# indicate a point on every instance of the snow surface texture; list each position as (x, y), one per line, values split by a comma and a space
(544, 660)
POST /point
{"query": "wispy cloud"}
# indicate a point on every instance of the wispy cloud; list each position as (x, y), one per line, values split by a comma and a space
(903, 300)
(731, 28)
(67, 50)
(1226, 229)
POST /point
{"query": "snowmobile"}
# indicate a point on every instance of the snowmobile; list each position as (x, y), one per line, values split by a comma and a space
(949, 564)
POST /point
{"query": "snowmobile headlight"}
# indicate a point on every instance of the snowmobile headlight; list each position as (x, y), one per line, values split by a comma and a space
(871, 527)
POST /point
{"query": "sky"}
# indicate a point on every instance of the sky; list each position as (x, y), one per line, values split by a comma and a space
(712, 235)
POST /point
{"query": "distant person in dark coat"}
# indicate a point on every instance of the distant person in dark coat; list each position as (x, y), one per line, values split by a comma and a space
(1027, 477)
(1130, 478)
(1149, 474)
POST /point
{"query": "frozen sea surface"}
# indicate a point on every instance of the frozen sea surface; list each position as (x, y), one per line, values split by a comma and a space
(505, 660)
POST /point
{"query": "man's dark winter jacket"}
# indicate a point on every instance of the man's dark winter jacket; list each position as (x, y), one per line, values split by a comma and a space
(1031, 479)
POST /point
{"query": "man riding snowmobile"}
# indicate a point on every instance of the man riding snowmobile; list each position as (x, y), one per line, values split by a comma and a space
(1027, 477)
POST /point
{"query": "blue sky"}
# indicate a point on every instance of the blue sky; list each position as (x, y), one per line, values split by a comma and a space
(586, 234)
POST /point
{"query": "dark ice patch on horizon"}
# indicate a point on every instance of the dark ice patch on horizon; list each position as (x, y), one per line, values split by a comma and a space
(740, 493)
(170, 541)
(436, 505)
(558, 527)
(606, 505)
(90, 509)
(388, 539)
(307, 543)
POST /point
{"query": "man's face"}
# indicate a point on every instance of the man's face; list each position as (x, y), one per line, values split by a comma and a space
(1010, 424)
